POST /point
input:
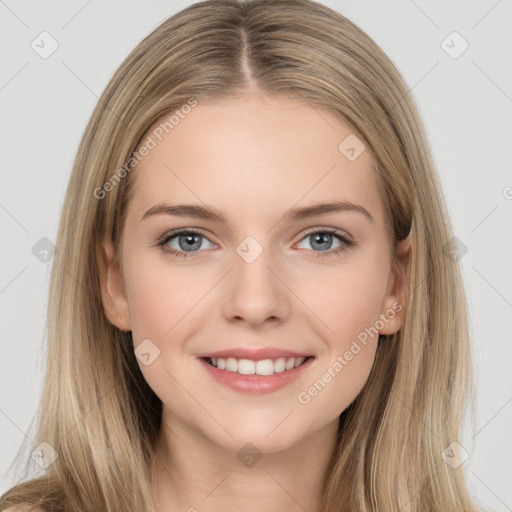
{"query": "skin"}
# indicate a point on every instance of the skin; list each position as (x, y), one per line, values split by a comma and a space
(252, 158)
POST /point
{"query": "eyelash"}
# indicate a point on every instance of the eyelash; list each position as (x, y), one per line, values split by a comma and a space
(340, 235)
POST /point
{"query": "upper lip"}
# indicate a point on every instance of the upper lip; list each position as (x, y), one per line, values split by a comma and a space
(254, 354)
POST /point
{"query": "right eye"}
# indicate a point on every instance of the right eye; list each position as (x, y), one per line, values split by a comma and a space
(186, 239)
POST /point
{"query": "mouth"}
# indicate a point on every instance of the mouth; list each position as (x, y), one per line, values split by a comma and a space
(256, 377)
(261, 367)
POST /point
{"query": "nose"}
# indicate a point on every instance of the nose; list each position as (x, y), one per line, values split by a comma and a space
(256, 293)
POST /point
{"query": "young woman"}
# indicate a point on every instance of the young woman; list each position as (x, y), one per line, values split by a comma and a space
(253, 305)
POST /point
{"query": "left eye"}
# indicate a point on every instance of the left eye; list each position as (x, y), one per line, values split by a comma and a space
(321, 239)
(189, 240)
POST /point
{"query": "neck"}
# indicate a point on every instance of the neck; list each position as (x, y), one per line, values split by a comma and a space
(195, 474)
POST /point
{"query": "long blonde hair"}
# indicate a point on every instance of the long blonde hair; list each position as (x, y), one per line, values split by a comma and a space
(96, 410)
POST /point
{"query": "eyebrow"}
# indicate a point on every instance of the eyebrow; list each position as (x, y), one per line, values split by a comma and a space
(209, 213)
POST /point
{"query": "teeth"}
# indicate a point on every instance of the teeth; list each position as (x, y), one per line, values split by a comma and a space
(263, 367)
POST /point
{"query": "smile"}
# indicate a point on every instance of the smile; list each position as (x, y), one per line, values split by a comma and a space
(261, 367)
(262, 376)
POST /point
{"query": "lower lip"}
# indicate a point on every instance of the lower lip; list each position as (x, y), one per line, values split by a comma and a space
(256, 384)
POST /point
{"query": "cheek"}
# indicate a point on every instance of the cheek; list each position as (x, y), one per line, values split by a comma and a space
(160, 294)
(163, 299)
(348, 306)
(348, 298)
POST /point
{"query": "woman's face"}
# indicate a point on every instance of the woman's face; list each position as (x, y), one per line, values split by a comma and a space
(263, 277)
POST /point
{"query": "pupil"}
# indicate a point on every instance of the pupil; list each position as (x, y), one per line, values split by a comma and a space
(322, 239)
(190, 240)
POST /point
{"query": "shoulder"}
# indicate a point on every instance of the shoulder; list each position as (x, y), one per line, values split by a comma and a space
(23, 508)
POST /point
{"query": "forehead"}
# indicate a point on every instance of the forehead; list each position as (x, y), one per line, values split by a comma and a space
(252, 153)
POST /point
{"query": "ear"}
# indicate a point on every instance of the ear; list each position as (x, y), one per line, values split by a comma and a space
(393, 305)
(113, 295)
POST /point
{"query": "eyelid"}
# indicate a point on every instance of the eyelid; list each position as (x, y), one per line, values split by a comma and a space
(183, 231)
(313, 229)
(329, 229)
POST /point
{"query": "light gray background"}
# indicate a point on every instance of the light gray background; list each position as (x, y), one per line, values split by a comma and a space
(466, 104)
